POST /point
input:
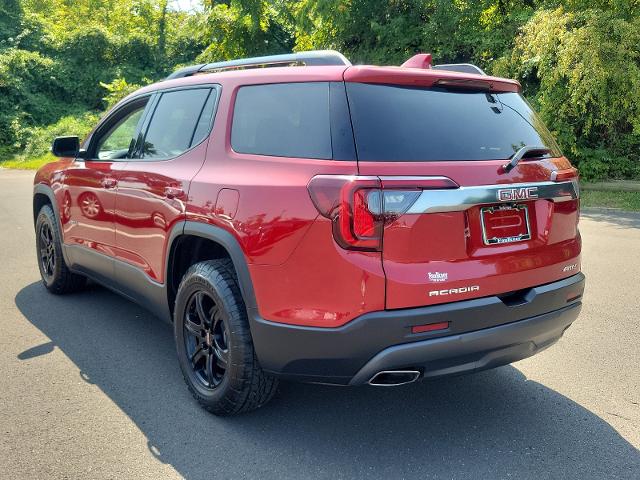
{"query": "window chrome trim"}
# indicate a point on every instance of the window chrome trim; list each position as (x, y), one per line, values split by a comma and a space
(463, 198)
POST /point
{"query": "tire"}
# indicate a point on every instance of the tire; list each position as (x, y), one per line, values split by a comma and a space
(55, 273)
(214, 344)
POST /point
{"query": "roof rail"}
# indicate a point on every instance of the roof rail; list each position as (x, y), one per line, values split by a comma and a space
(310, 58)
(460, 67)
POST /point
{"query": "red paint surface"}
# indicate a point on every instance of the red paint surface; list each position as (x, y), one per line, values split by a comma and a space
(300, 274)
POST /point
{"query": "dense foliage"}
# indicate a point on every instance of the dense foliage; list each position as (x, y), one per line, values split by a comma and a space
(578, 60)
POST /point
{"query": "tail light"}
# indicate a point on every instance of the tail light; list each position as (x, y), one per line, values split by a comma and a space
(567, 174)
(572, 175)
(360, 206)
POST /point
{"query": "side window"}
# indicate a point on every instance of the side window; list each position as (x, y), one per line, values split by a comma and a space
(176, 121)
(284, 120)
(119, 139)
(204, 123)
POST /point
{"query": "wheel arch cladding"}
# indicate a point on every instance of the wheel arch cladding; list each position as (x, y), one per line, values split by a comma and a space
(43, 195)
(191, 242)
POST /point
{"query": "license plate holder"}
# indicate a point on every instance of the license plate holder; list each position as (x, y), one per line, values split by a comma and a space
(505, 223)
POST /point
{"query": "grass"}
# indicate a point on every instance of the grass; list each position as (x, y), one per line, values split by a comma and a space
(610, 199)
(27, 164)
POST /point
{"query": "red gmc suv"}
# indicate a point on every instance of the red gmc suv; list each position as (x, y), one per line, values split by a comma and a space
(321, 222)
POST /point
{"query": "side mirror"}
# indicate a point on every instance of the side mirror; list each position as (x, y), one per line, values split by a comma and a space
(66, 147)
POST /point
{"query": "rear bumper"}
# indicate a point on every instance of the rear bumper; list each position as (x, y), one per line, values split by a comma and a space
(474, 351)
(483, 333)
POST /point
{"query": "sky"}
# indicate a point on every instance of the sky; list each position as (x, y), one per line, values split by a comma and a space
(186, 4)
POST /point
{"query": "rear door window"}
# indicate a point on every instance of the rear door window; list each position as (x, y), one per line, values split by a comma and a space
(397, 123)
(284, 120)
(206, 118)
(181, 120)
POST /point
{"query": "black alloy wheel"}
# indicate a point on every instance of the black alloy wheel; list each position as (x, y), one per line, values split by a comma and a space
(214, 343)
(206, 339)
(56, 275)
(46, 247)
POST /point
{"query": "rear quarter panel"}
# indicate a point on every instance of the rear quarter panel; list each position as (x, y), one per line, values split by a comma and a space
(299, 274)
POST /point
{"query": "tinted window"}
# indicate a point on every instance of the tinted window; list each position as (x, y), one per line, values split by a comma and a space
(393, 123)
(117, 141)
(285, 120)
(173, 124)
(204, 123)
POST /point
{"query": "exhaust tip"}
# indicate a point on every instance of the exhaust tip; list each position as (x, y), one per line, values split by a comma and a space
(393, 378)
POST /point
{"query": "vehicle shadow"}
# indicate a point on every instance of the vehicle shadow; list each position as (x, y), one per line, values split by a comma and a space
(616, 217)
(495, 424)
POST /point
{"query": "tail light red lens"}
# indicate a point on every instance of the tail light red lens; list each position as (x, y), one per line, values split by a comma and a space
(360, 206)
(357, 222)
(364, 221)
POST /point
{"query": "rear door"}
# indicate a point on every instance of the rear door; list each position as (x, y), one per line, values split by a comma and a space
(463, 227)
(154, 184)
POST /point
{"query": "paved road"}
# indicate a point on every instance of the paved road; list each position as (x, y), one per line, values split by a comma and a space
(90, 388)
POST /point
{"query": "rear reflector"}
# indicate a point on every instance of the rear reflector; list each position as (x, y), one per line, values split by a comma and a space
(573, 296)
(430, 327)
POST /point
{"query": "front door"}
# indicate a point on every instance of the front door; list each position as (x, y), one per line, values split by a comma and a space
(89, 191)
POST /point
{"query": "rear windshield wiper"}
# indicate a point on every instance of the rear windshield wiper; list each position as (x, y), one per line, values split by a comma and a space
(520, 154)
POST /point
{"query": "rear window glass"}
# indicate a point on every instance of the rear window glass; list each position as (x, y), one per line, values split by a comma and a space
(284, 120)
(393, 123)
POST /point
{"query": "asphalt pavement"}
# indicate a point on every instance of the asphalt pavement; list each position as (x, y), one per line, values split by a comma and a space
(90, 388)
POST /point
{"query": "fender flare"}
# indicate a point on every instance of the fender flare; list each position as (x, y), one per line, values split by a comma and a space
(44, 189)
(229, 243)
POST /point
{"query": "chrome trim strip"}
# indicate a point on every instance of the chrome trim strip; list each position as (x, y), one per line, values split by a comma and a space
(417, 178)
(463, 198)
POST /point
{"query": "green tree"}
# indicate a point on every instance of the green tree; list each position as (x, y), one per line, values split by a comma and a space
(578, 60)
(10, 20)
(389, 31)
(246, 28)
(582, 69)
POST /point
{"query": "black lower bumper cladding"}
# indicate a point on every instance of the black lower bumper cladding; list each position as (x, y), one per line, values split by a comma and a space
(483, 333)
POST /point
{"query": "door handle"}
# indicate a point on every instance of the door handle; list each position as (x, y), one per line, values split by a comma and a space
(173, 192)
(109, 182)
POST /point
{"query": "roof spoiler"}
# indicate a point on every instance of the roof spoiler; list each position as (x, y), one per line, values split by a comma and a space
(423, 60)
(310, 58)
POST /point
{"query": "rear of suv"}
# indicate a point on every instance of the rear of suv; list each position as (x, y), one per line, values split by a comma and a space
(322, 222)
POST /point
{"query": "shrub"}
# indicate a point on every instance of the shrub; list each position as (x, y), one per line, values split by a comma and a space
(117, 90)
(37, 140)
(583, 69)
(29, 93)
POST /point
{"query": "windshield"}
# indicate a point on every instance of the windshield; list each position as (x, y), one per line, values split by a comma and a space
(397, 123)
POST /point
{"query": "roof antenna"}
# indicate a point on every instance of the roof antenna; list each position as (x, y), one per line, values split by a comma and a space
(421, 60)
